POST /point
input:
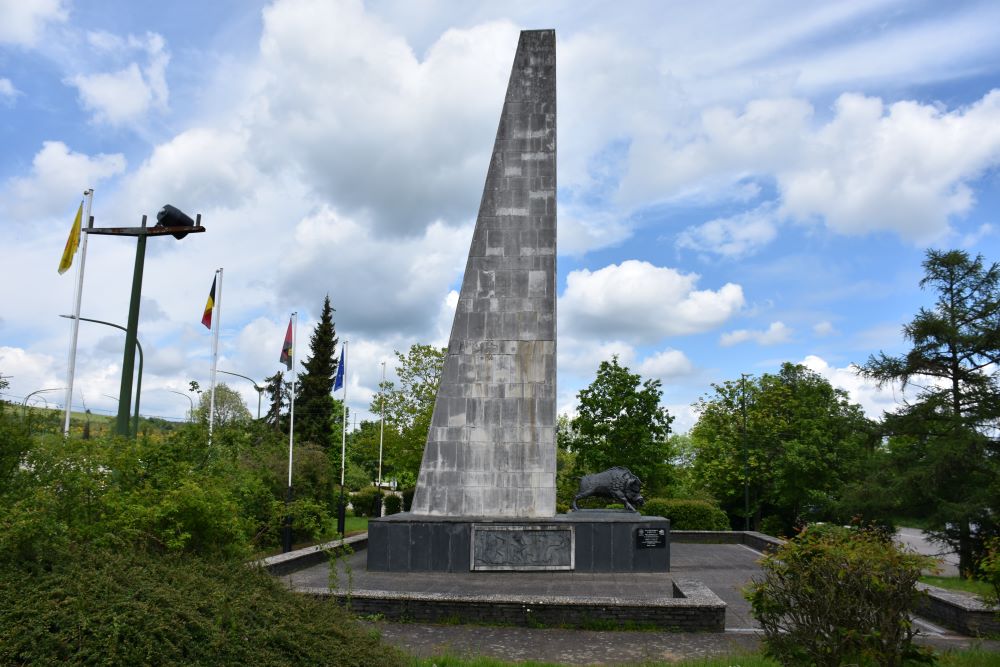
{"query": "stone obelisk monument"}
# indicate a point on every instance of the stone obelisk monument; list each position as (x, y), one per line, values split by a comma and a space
(491, 449)
(485, 498)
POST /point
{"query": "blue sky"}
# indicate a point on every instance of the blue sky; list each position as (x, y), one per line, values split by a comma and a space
(739, 186)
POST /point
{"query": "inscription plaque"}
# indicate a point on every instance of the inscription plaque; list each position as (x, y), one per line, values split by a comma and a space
(513, 547)
(651, 538)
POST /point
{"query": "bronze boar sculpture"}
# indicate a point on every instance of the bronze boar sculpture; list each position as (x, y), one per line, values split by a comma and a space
(616, 483)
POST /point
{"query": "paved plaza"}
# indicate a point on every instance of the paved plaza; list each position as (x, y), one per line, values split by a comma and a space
(725, 568)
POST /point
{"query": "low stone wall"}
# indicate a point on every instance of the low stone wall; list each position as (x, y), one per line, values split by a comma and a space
(314, 555)
(961, 613)
(694, 608)
(752, 539)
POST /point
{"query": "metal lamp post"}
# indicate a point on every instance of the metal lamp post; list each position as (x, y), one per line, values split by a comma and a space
(138, 382)
(169, 221)
(190, 400)
(260, 390)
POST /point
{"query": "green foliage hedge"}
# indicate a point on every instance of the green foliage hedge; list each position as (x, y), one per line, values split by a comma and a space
(127, 607)
(687, 514)
(408, 498)
(366, 501)
(393, 504)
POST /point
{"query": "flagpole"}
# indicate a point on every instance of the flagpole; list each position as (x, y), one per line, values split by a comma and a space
(217, 321)
(287, 536)
(381, 427)
(89, 196)
(342, 509)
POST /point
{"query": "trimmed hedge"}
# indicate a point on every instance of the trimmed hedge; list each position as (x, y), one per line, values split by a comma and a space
(393, 504)
(366, 502)
(408, 499)
(687, 514)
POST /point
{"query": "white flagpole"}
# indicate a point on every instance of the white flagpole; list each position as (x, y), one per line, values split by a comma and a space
(89, 195)
(291, 411)
(343, 438)
(381, 427)
(217, 321)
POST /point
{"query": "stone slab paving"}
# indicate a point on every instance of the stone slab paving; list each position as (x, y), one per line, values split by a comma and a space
(725, 568)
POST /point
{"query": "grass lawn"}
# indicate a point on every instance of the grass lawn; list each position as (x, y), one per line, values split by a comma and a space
(959, 584)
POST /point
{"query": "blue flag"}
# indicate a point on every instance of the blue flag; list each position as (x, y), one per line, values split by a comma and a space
(339, 381)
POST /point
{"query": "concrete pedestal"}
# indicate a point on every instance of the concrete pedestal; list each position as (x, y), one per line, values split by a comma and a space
(585, 541)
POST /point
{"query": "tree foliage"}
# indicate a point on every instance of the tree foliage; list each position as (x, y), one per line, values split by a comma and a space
(314, 406)
(803, 441)
(945, 447)
(408, 412)
(620, 422)
(279, 394)
(230, 409)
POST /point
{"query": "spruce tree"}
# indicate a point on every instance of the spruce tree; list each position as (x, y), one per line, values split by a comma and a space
(314, 405)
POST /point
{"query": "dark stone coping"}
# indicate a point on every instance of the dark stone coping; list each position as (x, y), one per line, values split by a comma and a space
(581, 516)
(309, 556)
(754, 540)
(693, 608)
(960, 612)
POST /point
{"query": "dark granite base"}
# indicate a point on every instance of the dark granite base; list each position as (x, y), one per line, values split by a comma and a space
(600, 542)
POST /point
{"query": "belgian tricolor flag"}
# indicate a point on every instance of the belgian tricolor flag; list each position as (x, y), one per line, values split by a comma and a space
(286, 348)
(206, 318)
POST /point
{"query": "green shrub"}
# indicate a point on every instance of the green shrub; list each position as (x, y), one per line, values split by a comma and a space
(989, 570)
(393, 504)
(774, 526)
(408, 498)
(127, 607)
(687, 514)
(366, 502)
(835, 596)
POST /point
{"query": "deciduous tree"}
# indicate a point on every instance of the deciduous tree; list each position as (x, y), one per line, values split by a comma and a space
(803, 441)
(620, 422)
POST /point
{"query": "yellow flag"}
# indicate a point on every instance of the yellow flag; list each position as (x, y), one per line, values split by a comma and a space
(71, 243)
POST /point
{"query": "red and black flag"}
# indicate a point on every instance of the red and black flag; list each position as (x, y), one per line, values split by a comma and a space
(206, 318)
(286, 348)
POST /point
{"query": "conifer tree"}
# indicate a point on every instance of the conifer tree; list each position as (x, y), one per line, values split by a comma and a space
(314, 405)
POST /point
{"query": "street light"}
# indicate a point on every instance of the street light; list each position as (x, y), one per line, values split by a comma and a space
(190, 400)
(260, 390)
(169, 220)
(138, 383)
(24, 403)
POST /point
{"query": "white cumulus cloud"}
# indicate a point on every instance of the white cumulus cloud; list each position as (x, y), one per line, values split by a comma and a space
(57, 173)
(666, 364)
(126, 95)
(636, 300)
(777, 332)
(734, 237)
(23, 21)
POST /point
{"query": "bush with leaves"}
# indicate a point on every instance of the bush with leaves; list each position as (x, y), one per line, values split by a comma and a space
(687, 514)
(367, 501)
(835, 596)
(408, 498)
(134, 607)
(393, 504)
